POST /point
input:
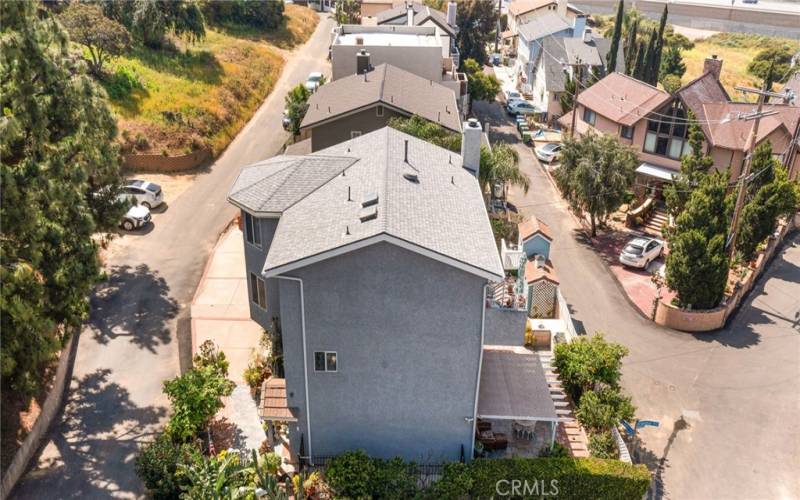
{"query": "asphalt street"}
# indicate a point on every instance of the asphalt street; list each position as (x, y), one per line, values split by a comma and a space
(728, 400)
(130, 345)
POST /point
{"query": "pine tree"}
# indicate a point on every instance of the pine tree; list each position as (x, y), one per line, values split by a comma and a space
(769, 78)
(640, 61)
(631, 46)
(611, 58)
(648, 74)
(672, 64)
(655, 64)
(694, 167)
(60, 176)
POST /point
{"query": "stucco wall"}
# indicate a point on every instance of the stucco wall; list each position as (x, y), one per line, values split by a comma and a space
(407, 333)
(423, 61)
(340, 130)
(505, 326)
(254, 258)
(536, 245)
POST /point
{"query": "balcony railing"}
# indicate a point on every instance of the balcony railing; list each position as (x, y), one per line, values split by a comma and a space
(503, 295)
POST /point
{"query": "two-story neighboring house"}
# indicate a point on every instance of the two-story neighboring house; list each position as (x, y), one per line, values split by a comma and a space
(522, 11)
(655, 123)
(376, 256)
(364, 102)
(419, 14)
(416, 49)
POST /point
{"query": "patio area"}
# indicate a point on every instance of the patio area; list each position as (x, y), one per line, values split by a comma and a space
(525, 439)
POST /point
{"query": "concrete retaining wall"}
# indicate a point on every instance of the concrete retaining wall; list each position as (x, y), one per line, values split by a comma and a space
(50, 409)
(713, 319)
(161, 163)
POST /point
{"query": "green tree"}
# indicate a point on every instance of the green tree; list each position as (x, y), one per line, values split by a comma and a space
(672, 64)
(196, 396)
(611, 57)
(477, 22)
(60, 174)
(586, 362)
(348, 12)
(296, 107)
(595, 173)
(102, 37)
(694, 166)
(780, 56)
(775, 199)
(267, 14)
(631, 47)
(655, 62)
(697, 264)
(151, 20)
(481, 86)
(603, 409)
(567, 98)
(349, 474)
(428, 131)
(500, 164)
(671, 83)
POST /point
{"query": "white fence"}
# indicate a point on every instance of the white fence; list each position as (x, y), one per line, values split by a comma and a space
(564, 315)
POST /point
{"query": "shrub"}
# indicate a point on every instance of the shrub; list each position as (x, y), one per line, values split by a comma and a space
(577, 479)
(586, 362)
(209, 355)
(195, 397)
(392, 479)
(455, 483)
(349, 474)
(157, 466)
(602, 445)
(558, 450)
(121, 84)
(603, 409)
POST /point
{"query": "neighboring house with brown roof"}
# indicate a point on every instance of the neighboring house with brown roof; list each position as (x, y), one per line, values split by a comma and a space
(655, 123)
(371, 8)
(358, 104)
(522, 11)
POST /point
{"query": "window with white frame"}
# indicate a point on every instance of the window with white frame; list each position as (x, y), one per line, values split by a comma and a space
(252, 230)
(589, 116)
(258, 291)
(378, 111)
(355, 133)
(324, 361)
(667, 131)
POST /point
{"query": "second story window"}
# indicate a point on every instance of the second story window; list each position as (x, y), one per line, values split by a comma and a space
(589, 116)
(252, 230)
(666, 133)
(324, 361)
(258, 291)
(626, 132)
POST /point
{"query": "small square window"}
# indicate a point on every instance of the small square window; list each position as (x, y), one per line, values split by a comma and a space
(252, 230)
(379, 111)
(355, 133)
(258, 291)
(626, 132)
(325, 361)
(589, 116)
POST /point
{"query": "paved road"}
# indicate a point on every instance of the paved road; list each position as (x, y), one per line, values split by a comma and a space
(131, 342)
(736, 390)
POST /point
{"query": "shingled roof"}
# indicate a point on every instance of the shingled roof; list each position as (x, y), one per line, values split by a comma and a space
(421, 14)
(702, 90)
(623, 99)
(428, 204)
(388, 85)
(733, 134)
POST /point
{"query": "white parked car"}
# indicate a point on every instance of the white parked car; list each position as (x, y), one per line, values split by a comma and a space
(512, 95)
(313, 81)
(548, 152)
(641, 251)
(143, 193)
(518, 107)
(136, 217)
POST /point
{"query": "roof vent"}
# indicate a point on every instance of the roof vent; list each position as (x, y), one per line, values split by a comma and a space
(359, 40)
(369, 200)
(368, 214)
(411, 177)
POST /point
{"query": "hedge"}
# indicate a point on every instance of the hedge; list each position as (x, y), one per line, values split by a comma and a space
(578, 478)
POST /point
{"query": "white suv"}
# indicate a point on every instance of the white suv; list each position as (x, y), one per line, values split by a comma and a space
(143, 193)
(640, 252)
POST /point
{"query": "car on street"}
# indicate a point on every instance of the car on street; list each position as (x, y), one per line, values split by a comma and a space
(148, 194)
(640, 252)
(137, 216)
(496, 59)
(548, 152)
(286, 121)
(519, 107)
(313, 81)
(512, 95)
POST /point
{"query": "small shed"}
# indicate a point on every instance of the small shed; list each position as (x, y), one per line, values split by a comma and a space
(535, 237)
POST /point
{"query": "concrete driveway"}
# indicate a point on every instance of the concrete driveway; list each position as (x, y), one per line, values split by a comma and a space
(131, 342)
(727, 401)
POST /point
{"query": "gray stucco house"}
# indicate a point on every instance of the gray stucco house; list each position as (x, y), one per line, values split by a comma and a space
(376, 256)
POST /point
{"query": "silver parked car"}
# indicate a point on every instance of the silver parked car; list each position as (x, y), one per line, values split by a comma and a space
(144, 193)
(641, 251)
(136, 217)
(548, 152)
(518, 107)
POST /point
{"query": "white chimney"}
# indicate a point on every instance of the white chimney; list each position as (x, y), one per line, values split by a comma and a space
(471, 146)
(451, 13)
(410, 10)
(562, 8)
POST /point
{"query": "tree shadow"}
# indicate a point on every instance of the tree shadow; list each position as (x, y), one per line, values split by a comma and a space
(91, 451)
(195, 65)
(657, 464)
(133, 303)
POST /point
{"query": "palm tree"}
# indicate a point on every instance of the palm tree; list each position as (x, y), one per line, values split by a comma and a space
(501, 164)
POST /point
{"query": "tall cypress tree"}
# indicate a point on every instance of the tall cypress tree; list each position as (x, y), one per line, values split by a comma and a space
(647, 73)
(656, 62)
(611, 58)
(631, 46)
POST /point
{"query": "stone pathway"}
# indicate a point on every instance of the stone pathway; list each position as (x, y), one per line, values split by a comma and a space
(239, 421)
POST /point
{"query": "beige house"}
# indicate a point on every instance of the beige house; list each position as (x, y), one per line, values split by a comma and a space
(361, 103)
(371, 8)
(655, 124)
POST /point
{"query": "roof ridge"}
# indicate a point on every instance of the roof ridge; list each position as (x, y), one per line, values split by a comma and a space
(383, 81)
(325, 183)
(262, 164)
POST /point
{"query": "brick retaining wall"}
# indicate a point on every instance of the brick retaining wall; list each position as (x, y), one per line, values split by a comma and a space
(161, 163)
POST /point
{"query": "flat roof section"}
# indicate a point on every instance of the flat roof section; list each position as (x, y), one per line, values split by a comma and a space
(389, 39)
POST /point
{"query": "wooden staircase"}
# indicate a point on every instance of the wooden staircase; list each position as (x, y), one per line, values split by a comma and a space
(657, 219)
(569, 433)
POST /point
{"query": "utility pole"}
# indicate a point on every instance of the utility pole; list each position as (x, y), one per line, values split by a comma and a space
(751, 146)
(497, 29)
(577, 74)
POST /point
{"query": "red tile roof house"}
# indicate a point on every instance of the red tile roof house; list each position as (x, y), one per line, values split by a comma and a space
(653, 122)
